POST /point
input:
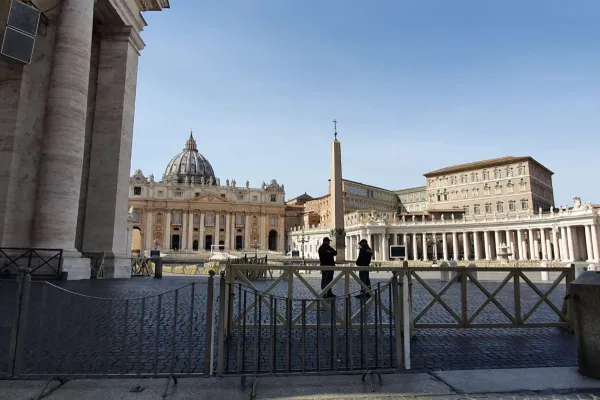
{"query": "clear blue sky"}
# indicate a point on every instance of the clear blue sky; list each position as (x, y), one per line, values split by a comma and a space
(415, 85)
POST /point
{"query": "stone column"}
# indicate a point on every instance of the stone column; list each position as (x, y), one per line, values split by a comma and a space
(455, 246)
(594, 231)
(110, 157)
(466, 245)
(564, 249)
(190, 245)
(522, 255)
(184, 236)
(477, 245)
(497, 243)
(486, 244)
(149, 239)
(385, 248)
(201, 240)
(281, 234)
(445, 246)
(588, 242)
(217, 229)
(570, 243)
(424, 246)
(167, 238)
(543, 240)
(60, 170)
(555, 245)
(531, 239)
(227, 231)
(415, 247)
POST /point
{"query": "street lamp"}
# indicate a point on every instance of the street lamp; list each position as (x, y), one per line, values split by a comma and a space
(254, 245)
(434, 242)
(303, 239)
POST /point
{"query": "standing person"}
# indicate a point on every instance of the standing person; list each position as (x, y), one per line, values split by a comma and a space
(326, 254)
(365, 254)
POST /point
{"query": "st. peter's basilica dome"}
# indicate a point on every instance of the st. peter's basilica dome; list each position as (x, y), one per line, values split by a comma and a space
(189, 166)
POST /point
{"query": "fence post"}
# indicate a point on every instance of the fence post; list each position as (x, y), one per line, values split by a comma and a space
(210, 328)
(570, 302)
(222, 320)
(464, 297)
(17, 339)
(397, 319)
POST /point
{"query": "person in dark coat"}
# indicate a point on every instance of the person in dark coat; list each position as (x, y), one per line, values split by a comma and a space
(365, 254)
(326, 254)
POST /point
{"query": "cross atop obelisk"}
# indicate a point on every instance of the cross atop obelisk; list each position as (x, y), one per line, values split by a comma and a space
(338, 234)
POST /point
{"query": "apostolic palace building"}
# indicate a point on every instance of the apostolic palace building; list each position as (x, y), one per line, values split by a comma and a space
(475, 211)
(191, 209)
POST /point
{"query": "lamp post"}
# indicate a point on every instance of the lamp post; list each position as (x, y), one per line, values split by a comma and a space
(434, 241)
(303, 239)
(254, 245)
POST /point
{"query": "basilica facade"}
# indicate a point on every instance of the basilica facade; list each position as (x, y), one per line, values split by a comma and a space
(190, 209)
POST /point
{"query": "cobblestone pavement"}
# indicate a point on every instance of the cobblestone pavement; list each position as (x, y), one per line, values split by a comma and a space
(491, 396)
(73, 334)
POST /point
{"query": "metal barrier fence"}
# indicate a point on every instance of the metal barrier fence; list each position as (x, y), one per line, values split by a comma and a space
(165, 335)
(273, 335)
(42, 263)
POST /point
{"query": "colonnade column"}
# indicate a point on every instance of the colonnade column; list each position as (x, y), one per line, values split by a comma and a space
(455, 246)
(564, 250)
(60, 171)
(385, 247)
(555, 245)
(521, 247)
(497, 243)
(588, 242)
(570, 243)
(476, 245)
(543, 242)
(415, 248)
(531, 247)
(594, 232)
(201, 241)
(466, 246)
(424, 246)
(486, 244)
(445, 246)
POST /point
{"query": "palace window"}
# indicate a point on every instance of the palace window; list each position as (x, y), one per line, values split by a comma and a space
(512, 206)
(196, 219)
(509, 171)
(497, 173)
(159, 218)
(197, 194)
(465, 193)
(476, 192)
(445, 196)
(136, 215)
(221, 220)
(522, 185)
(223, 195)
(466, 210)
(474, 177)
(476, 209)
(254, 198)
(498, 189)
(463, 179)
(521, 170)
(239, 220)
(272, 221)
(273, 198)
(499, 206)
(177, 193)
(137, 191)
(488, 208)
(486, 190)
(453, 180)
(176, 218)
(240, 197)
(510, 188)
(486, 175)
(161, 193)
(209, 219)
(524, 204)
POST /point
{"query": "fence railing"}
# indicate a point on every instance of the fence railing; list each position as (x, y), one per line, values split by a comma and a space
(42, 263)
(251, 328)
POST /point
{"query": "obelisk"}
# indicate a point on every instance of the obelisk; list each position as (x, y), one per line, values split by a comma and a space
(338, 234)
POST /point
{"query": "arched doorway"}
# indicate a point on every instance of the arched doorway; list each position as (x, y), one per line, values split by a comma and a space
(221, 245)
(175, 239)
(273, 240)
(239, 242)
(195, 245)
(136, 240)
(208, 241)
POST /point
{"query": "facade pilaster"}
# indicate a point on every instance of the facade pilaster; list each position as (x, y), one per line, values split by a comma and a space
(201, 239)
(227, 231)
(190, 235)
(149, 228)
(184, 235)
(60, 172)
(167, 238)
(281, 234)
(247, 232)
(217, 229)
(263, 231)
